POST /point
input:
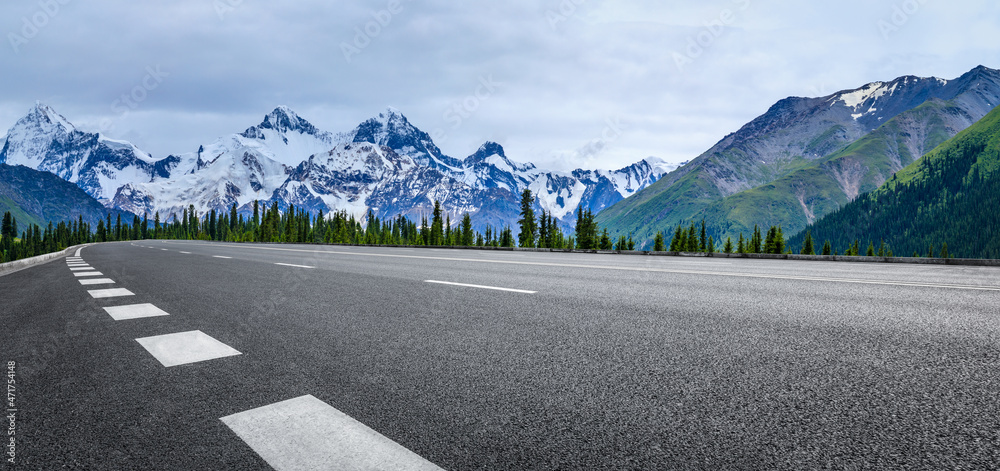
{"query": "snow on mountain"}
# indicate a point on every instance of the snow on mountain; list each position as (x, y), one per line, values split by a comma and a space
(385, 164)
(45, 140)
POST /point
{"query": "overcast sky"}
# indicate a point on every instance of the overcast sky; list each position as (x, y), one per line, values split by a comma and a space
(564, 84)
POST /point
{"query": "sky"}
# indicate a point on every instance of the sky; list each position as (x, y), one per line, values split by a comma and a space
(561, 83)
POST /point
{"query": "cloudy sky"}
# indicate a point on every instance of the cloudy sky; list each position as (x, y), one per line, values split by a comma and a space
(562, 83)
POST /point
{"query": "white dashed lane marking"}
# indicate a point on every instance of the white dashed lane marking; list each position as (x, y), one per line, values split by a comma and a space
(97, 281)
(186, 253)
(134, 311)
(220, 256)
(307, 433)
(293, 265)
(88, 273)
(85, 268)
(185, 347)
(481, 287)
(110, 293)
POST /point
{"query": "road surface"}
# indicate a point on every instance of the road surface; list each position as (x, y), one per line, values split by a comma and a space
(244, 356)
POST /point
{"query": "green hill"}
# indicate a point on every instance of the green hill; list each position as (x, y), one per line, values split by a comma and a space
(951, 195)
(822, 186)
(35, 197)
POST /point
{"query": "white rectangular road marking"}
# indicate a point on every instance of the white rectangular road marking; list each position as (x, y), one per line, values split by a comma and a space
(85, 268)
(74, 259)
(185, 347)
(77, 264)
(97, 281)
(220, 256)
(134, 311)
(186, 253)
(110, 293)
(294, 266)
(306, 433)
(87, 273)
(481, 287)
(164, 250)
(78, 251)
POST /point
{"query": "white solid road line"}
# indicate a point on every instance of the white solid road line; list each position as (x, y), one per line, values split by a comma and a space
(97, 281)
(110, 293)
(87, 273)
(78, 251)
(293, 265)
(220, 256)
(306, 433)
(481, 286)
(185, 347)
(134, 311)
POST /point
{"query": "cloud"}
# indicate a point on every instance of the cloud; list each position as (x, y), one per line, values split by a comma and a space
(563, 67)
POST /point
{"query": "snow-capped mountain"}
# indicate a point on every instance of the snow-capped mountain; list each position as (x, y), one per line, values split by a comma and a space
(44, 140)
(386, 165)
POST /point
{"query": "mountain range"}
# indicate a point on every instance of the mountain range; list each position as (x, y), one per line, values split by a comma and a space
(805, 157)
(385, 165)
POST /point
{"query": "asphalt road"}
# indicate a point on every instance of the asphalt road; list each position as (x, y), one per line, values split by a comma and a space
(594, 362)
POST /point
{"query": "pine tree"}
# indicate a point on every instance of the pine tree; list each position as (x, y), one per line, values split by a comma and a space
(827, 248)
(740, 247)
(756, 241)
(930, 251)
(658, 242)
(807, 245)
(728, 248)
(871, 250)
(703, 241)
(944, 250)
(437, 225)
(526, 236)
(677, 242)
(711, 245)
(606, 240)
(692, 239)
(468, 236)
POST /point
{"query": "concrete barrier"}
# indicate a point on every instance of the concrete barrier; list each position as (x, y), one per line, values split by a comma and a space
(18, 265)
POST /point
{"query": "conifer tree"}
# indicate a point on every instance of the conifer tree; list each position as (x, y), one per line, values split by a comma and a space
(807, 245)
(871, 250)
(703, 241)
(740, 247)
(526, 236)
(944, 250)
(468, 237)
(606, 240)
(827, 248)
(677, 242)
(437, 225)
(658, 242)
(711, 245)
(692, 239)
(728, 248)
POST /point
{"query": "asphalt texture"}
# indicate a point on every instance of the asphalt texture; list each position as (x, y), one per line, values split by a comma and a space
(616, 362)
